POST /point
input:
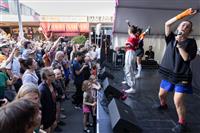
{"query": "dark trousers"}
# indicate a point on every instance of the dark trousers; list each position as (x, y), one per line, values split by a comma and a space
(78, 97)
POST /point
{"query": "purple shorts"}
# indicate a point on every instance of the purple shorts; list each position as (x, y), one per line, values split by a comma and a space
(86, 109)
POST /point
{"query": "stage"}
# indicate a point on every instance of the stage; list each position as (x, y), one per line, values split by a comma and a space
(149, 119)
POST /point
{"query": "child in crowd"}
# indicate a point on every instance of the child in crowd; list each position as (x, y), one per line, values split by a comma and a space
(89, 100)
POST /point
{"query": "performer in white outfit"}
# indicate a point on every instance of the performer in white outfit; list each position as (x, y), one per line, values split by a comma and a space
(130, 57)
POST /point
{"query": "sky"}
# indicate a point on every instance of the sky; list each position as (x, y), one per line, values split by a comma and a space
(72, 7)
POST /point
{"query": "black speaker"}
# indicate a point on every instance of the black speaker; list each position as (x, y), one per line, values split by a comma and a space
(110, 90)
(105, 73)
(122, 118)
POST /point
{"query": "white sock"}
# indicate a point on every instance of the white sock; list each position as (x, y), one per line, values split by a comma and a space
(139, 69)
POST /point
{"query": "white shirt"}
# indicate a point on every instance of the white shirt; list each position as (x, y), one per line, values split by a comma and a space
(14, 65)
(98, 51)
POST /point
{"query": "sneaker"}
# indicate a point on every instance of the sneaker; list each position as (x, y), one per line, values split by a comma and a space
(135, 72)
(62, 109)
(124, 82)
(62, 116)
(78, 107)
(137, 76)
(160, 107)
(131, 90)
(86, 130)
(179, 128)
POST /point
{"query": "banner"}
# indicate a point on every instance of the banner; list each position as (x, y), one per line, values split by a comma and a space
(4, 6)
(100, 19)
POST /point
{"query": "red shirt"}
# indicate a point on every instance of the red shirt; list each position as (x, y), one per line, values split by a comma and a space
(131, 43)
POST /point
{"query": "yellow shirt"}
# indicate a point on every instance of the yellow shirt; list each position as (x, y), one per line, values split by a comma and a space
(2, 58)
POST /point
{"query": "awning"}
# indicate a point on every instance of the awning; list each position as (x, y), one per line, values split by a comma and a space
(154, 13)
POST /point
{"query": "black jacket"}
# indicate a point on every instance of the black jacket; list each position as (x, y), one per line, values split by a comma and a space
(48, 106)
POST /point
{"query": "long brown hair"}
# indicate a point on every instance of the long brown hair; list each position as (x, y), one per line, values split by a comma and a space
(18, 116)
(86, 85)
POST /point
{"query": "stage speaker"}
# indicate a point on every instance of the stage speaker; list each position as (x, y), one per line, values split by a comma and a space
(105, 73)
(110, 90)
(122, 118)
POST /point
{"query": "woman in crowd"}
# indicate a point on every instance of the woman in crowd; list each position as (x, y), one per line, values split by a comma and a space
(30, 75)
(30, 92)
(48, 99)
(19, 116)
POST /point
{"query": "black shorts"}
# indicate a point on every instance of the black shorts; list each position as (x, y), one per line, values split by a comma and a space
(139, 52)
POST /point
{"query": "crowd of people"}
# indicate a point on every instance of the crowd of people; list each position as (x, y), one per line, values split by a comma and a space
(38, 72)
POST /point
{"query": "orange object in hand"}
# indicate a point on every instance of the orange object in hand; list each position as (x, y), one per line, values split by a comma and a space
(142, 36)
(184, 14)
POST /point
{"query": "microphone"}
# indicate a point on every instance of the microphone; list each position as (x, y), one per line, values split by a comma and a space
(148, 29)
(128, 22)
(178, 33)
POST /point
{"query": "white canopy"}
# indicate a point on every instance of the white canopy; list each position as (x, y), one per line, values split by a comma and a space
(153, 13)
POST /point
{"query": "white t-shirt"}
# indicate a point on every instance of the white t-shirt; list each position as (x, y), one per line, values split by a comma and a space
(98, 51)
(93, 54)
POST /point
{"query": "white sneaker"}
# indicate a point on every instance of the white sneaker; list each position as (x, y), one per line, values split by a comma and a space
(131, 90)
(135, 72)
(124, 82)
(137, 76)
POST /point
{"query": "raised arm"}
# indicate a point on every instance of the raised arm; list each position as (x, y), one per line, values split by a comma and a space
(144, 33)
(11, 56)
(168, 24)
(55, 45)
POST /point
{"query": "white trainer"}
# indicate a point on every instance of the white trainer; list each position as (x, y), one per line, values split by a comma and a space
(137, 76)
(124, 82)
(131, 90)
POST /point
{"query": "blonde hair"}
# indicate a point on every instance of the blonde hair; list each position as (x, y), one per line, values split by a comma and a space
(27, 88)
(86, 85)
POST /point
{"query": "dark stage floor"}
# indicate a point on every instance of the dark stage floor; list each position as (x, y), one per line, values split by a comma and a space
(154, 121)
(150, 120)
